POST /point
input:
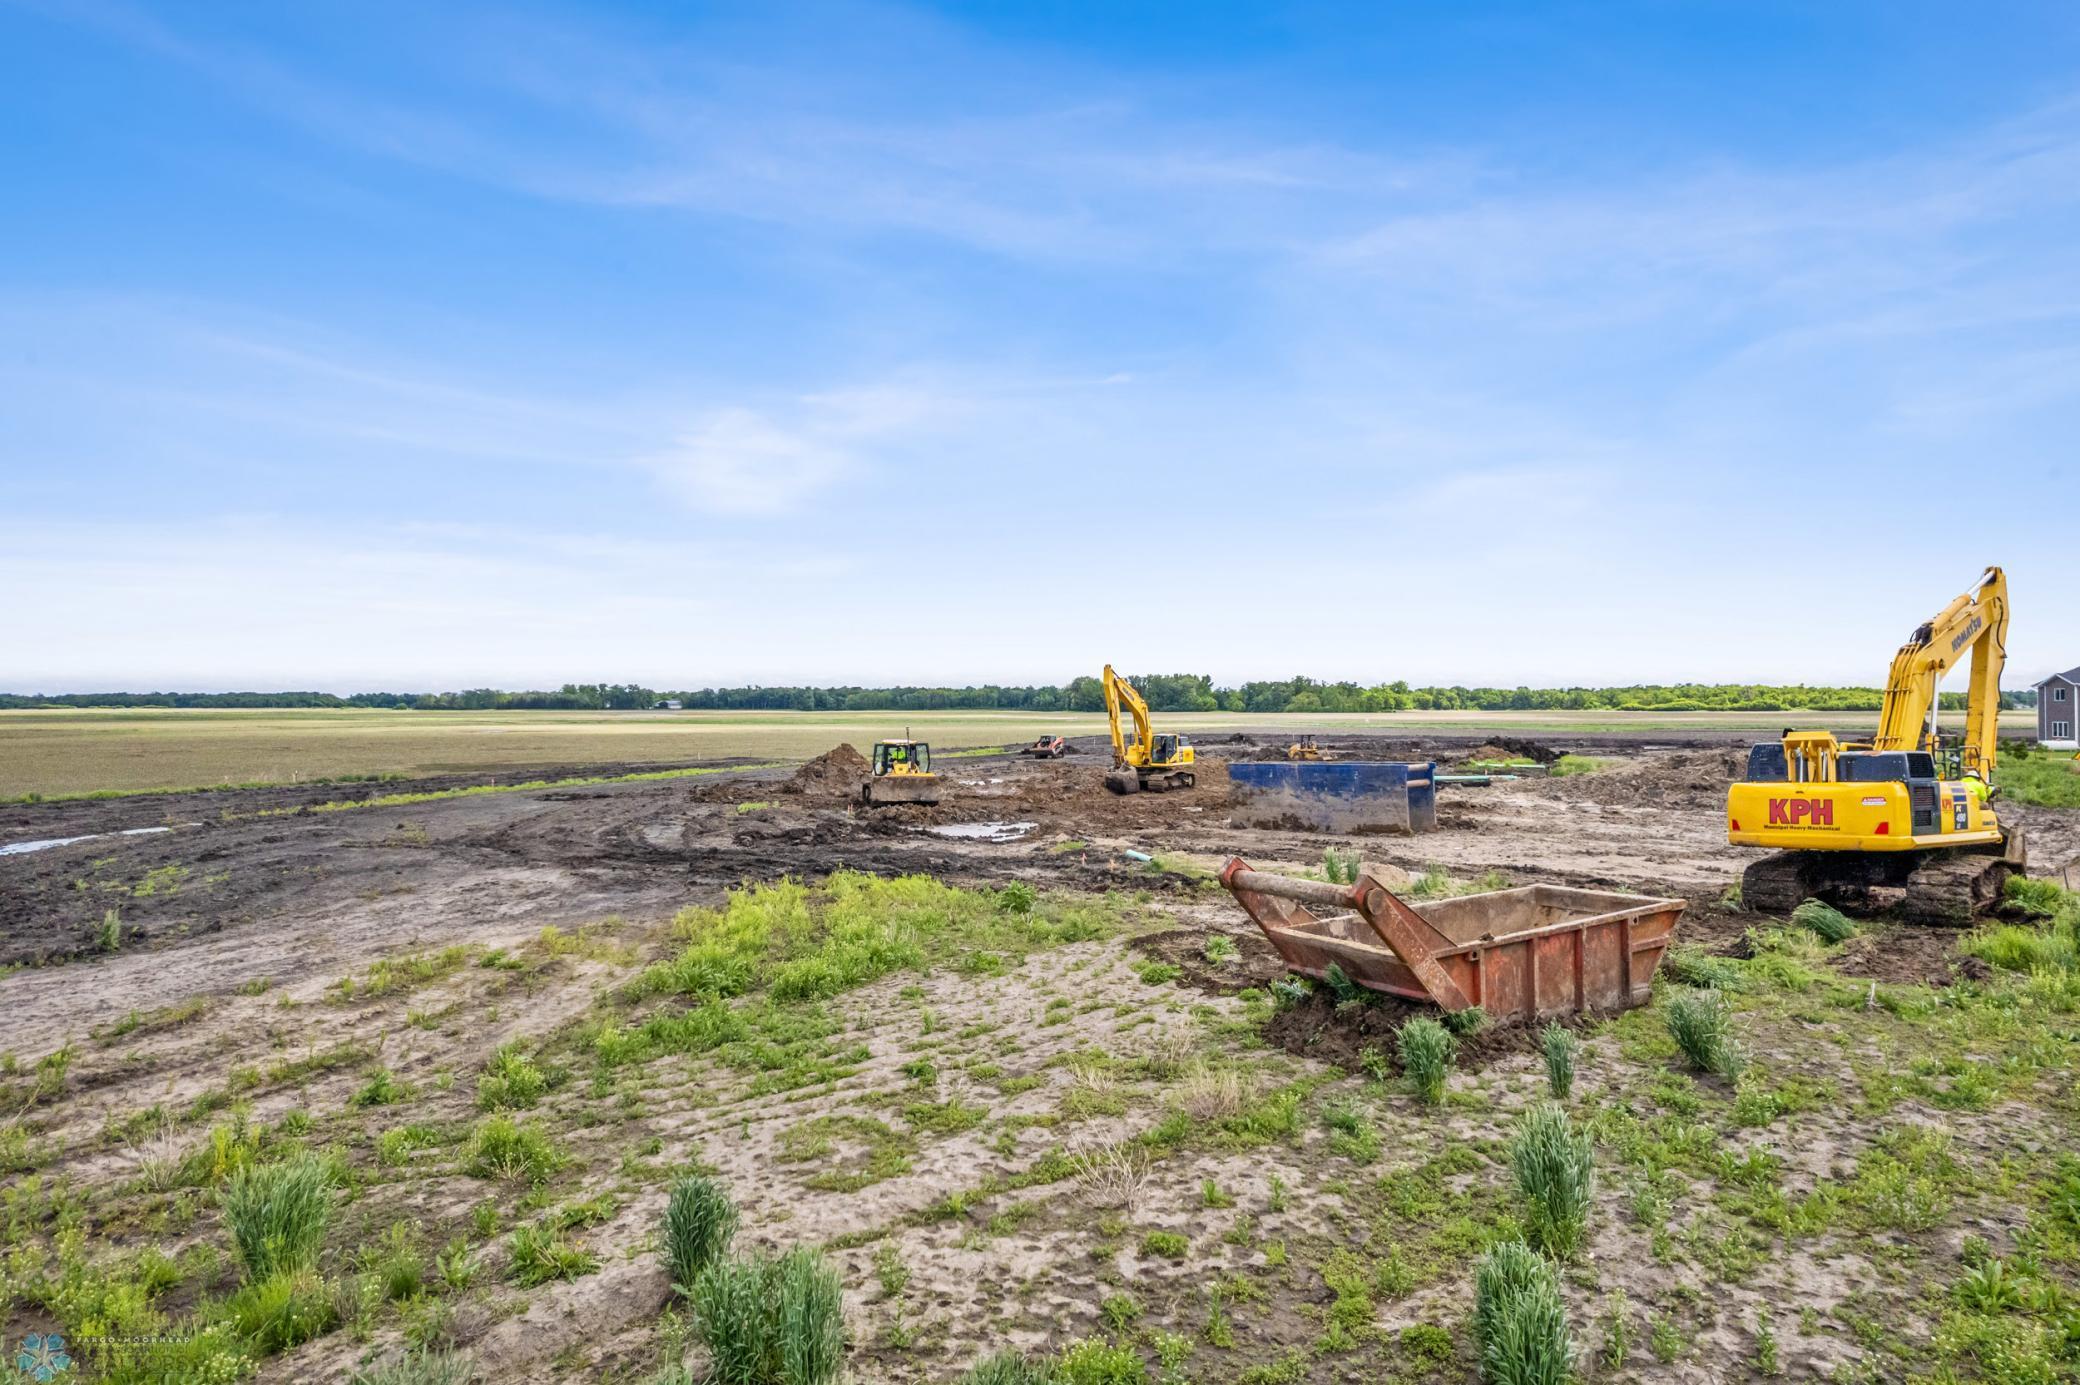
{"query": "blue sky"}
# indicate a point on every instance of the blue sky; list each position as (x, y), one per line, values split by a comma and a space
(387, 345)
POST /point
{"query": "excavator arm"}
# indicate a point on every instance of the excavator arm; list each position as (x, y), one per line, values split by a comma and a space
(1976, 621)
(1117, 691)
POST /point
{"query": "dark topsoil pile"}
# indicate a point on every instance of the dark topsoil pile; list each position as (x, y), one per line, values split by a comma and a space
(1679, 779)
(836, 771)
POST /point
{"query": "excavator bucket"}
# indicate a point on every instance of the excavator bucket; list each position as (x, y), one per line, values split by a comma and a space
(1518, 954)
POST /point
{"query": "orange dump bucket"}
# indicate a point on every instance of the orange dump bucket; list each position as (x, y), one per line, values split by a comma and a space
(1518, 954)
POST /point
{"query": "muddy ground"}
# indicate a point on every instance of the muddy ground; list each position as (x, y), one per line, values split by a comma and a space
(249, 910)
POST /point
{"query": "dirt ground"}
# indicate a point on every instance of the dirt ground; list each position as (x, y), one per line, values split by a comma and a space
(164, 964)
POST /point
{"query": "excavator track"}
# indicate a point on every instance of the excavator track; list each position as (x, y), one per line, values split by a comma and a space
(1954, 888)
(1944, 887)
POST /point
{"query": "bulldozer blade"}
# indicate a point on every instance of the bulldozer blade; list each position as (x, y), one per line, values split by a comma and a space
(900, 788)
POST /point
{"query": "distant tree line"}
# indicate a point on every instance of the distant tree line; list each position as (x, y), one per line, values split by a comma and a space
(1166, 692)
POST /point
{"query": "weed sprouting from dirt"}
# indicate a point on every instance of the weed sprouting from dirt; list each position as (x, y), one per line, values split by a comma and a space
(1009, 1368)
(1114, 1176)
(1692, 966)
(1519, 1321)
(278, 1214)
(1555, 1171)
(500, 1147)
(1340, 865)
(1346, 991)
(1426, 1057)
(1433, 883)
(699, 1222)
(1559, 1045)
(1830, 923)
(1702, 1027)
(422, 1366)
(510, 1081)
(541, 1253)
(771, 1320)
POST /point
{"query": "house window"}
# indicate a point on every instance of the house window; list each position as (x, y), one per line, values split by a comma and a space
(2058, 694)
(2061, 730)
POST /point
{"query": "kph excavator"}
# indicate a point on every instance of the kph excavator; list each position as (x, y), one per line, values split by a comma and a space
(1149, 761)
(1903, 819)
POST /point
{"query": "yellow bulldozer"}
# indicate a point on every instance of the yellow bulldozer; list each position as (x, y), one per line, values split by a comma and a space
(902, 773)
(1150, 762)
(1902, 819)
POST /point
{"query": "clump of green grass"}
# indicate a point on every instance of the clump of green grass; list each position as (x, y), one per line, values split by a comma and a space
(501, 1147)
(382, 1089)
(699, 1222)
(1009, 1368)
(1702, 1027)
(1340, 865)
(1468, 1022)
(1576, 764)
(1519, 1320)
(1555, 1171)
(1017, 898)
(1693, 966)
(510, 1081)
(1170, 1245)
(1559, 1045)
(278, 1213)
(422, 1366)
(2042, 898)
(1346, 991)
(1433, 883)
(1823, 918)
(1220, 950)
(109, 937)
(542, 1253)
(1426, 1057)
(771, 1320)
(282, 1310)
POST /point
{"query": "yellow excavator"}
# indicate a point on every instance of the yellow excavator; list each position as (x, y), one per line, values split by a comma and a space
(1148, 761)
(902, 773)
(1903, 819)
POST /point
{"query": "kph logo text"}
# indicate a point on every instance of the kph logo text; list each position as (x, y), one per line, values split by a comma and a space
(1801, 812)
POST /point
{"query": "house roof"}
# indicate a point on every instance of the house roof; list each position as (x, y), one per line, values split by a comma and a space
(2071, 675)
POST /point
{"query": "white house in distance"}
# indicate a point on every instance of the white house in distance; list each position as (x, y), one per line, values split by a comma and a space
(2058, 708)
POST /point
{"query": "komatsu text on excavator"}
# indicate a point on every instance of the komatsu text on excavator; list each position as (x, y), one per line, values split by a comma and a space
(1903, 820)
(1148, 761)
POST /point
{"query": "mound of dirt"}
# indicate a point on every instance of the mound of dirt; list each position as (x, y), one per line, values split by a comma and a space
(1678, 779)
(833, 772)
(1512, 748)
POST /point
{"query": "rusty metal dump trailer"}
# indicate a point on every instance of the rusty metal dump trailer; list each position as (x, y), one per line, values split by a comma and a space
(1519, 954)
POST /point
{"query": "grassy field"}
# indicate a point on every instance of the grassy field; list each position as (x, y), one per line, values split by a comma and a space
(68, 752)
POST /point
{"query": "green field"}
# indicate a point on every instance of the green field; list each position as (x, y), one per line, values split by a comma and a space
(69, 752)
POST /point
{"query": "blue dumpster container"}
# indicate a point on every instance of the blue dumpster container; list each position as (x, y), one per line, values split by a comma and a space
(1351, 796)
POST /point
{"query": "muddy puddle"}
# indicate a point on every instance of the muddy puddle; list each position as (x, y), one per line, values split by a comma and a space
(983, 831)
(24, 848)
